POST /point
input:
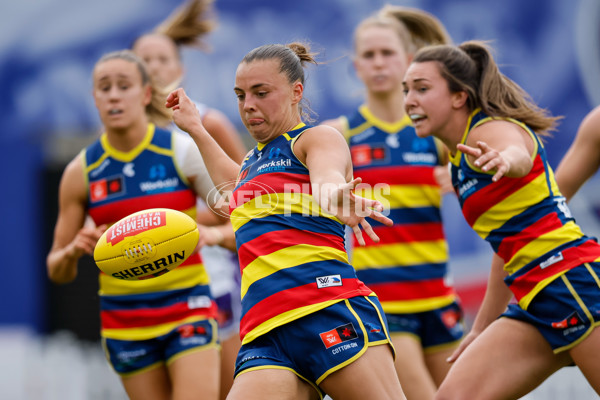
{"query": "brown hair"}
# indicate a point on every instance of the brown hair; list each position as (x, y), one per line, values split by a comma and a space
(470, 67)
(292, 59)
(156, 110)
(415, 28)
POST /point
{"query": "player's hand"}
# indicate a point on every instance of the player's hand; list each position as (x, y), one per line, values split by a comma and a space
(85, 241)
(468, 339)
(487, 159)
(185, 113)
(209, 236)
(443, 178)
(353, 211)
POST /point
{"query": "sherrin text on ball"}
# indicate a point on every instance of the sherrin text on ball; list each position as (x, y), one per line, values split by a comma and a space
(146, 244)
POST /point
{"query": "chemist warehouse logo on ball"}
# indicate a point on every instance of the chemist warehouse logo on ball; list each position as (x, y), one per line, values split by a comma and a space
(135, 225)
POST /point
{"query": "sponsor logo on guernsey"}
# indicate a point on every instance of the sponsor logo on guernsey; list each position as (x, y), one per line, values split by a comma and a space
(419, 158)
(274, 166)
(165, 185)
(467, 187)
(392, 141)
(328, 281)
(365, 154)
(135, 225)
(128, 170)
(199, 302)
(105, 188)
(339, 335)
(364, 135)
(100, 168)
(552, 260)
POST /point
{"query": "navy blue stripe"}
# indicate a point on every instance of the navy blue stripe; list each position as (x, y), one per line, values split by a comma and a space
(152, 300)
(402, 274)
(417, 215)
(276, 222)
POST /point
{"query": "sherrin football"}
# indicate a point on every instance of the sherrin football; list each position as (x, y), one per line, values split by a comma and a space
(146, 244)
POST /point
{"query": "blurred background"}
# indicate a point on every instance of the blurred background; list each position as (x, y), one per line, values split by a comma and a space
(49, 343)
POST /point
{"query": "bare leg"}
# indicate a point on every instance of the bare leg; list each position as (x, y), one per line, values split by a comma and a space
(587, 357)
(372, 376)
(508, 360)
(196, 375)
(229, 351)
(437, 365)
(411, 368)
(271, 384)
(153, 384)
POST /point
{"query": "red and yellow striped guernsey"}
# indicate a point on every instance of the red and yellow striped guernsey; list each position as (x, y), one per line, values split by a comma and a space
(123, 183)
(408, 267)
(526, 220)
(292, 255)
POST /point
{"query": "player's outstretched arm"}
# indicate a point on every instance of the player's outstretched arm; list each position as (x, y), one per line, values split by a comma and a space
(71, 238)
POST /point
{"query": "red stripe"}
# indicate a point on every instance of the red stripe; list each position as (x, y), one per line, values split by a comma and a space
(409, 175)
(396, 291)
(275, 182)
(512, 244)
(494, 193)
(114, 211)
(572, 257)
(144, 317)
(297, 297)
(405, 233)
(277, 240)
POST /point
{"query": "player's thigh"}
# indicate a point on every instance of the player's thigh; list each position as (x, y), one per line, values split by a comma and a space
(152, 384)
(436, 362)
(587, 357)
(508, 360)
(372, 376)
(229, 351)
(411, 367)
(195, 375)
(271, 384)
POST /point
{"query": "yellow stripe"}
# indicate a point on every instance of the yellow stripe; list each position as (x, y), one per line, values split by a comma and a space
(515, 204)
(585, 310)
(418, 305)
(400, 254)
(355, 357)
(179, 278)
(147, 332)
(388, 127)
(95, 164)
(543, 244)
(161, 150)
(277, 203)
(593, 273)
(129, 155)
(287, 257)
(403, 196)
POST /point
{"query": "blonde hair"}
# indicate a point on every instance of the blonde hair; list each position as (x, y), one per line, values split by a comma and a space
(292, 58)
(415, 28)
(470, 67)
(189, 23)
(156, 111)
